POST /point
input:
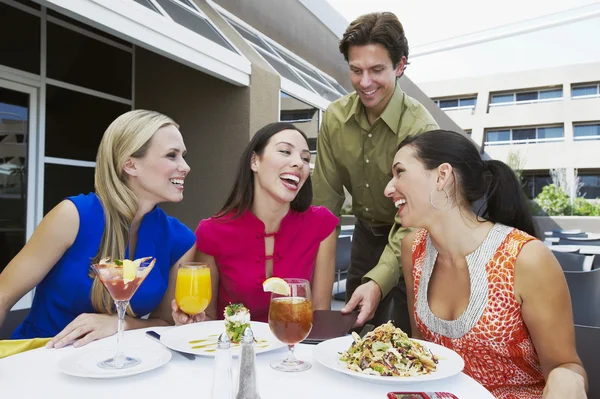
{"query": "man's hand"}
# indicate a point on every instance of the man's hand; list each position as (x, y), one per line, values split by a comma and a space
(367, 297)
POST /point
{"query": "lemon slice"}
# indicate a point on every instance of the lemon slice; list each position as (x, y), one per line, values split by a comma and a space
(276, 285)
(129, 271)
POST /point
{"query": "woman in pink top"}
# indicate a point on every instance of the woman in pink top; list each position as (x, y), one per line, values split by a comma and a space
(267, 227)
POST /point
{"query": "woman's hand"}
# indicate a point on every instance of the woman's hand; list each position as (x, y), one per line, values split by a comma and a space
(180, 318)
(86, 327)
(564, 383)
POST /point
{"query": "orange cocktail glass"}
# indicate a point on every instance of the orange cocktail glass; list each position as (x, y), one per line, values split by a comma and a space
(290, 320)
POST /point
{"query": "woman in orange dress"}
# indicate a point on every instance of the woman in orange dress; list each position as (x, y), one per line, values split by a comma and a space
(483, 286)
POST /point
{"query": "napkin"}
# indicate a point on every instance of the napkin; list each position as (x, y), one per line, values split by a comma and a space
(10, 347)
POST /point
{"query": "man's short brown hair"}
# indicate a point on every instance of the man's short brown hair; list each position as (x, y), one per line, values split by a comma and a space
(377, 28)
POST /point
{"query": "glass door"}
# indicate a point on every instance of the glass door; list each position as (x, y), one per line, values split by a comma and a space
(18, 116)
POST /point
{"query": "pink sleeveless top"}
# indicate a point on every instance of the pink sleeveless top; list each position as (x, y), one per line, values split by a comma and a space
(490, 335)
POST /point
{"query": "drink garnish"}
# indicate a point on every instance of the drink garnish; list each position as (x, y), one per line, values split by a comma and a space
(276, 285)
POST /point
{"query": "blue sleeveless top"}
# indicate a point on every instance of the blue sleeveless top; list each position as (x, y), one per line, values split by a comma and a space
(64, 293)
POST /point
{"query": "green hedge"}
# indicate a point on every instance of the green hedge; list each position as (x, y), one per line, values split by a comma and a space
(553, 201)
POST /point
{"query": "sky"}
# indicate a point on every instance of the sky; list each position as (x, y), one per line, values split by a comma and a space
(431, 23)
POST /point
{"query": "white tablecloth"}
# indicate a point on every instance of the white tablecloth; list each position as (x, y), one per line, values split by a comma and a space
(35, 374)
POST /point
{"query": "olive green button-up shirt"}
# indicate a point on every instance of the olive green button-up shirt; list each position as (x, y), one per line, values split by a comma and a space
(352, 153)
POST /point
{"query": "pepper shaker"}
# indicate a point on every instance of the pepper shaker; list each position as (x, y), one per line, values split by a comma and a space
(222, 385)
(247, 387)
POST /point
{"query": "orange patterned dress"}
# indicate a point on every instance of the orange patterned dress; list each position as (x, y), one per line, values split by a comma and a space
(490, 335)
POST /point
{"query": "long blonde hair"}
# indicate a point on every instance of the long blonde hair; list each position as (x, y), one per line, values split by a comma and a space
(127, 136)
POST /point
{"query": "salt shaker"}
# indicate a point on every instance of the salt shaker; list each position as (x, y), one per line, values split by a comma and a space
(222, 385)
(247, 388)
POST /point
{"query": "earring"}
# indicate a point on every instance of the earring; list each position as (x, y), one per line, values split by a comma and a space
(431, 200)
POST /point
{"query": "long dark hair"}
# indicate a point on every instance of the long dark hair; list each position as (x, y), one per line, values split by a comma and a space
(241, 195)
(491, 180)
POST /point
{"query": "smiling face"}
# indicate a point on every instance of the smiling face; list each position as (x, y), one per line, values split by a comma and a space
(373, 76)
(159, 175)
(410, 187)
(282, 169)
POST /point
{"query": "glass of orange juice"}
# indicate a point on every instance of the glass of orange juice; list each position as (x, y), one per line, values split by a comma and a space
(193, 290)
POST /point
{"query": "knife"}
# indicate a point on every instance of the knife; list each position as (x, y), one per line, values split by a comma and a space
(156, 336)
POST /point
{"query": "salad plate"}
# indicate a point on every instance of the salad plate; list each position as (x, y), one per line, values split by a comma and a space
(328, 354)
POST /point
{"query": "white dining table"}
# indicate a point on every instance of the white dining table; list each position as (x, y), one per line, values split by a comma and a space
(35, 374)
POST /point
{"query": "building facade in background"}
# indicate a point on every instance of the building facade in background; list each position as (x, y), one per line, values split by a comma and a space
(548, 119)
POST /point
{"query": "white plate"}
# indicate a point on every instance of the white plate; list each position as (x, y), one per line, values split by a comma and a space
(328, 354)
(178, 338)
(84, 363)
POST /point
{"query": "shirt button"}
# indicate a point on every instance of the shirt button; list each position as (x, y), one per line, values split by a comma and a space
(367, 185)
(367, 209)
(370, 135)
(367, 161)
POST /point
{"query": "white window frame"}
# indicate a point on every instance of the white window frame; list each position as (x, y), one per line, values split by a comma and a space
(438, 100)
(143, 27)
(577, 86)
(526, 141)
(585, 138)
(515, 102)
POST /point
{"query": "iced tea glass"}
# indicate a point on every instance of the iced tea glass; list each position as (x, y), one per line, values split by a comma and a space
(193, 290)
(122, 282)
(290, 320)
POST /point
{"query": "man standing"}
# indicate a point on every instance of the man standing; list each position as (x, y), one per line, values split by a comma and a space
(359, 136)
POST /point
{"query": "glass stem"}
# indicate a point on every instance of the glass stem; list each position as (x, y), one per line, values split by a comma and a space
(290, 358)
(119, 358)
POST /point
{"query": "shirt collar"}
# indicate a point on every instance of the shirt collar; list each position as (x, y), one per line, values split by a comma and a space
(391, 114)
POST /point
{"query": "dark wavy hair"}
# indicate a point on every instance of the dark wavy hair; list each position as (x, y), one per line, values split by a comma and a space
(377, 28)
(491, 180)
(241, 195)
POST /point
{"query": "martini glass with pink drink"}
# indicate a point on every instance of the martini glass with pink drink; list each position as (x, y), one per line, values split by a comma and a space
(122, 278)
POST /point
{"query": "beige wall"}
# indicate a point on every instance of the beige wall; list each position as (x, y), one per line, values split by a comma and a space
(565, 154)
(214, 120)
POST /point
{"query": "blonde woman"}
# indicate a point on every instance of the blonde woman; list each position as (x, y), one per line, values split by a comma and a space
(140, 163)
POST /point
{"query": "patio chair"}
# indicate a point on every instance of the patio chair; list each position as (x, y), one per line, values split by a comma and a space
(570, 262)
(566, 241)
(342, 262)
(585, 296)
(586, 340)
(567, 235)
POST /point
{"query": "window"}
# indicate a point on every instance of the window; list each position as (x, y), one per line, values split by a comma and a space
(534, 183)
(80, 60)
(186, 16)
(20, 43)
(468, 132)
(291, 67)
(497, 136)
(526, 97)
(456, 103)
(527, 135)
(75, 123)
(585, 91)
(590, 188)
(586, 131)
(304, 116)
